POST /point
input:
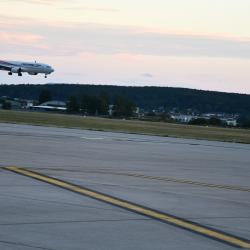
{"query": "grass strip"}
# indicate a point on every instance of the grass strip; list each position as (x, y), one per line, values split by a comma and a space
(127, 126)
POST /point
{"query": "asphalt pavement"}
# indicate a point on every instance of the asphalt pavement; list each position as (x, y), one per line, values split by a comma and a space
(201, 181)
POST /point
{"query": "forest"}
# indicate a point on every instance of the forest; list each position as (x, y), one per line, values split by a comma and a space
(147, 98)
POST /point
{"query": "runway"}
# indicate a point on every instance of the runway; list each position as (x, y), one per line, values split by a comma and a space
(199, 181)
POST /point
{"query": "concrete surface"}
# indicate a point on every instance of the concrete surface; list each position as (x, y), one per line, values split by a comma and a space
(35, 215)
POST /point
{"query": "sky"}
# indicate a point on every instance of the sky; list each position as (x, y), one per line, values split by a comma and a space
(202, 44)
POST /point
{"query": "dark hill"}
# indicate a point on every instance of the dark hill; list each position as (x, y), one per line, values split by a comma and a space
(144, 97)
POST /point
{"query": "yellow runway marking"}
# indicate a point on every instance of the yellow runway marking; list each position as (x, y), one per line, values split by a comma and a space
(188, 225)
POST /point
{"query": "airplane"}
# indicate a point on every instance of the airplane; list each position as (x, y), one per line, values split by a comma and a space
(20, 67)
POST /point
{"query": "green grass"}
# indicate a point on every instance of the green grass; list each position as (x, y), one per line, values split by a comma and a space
(129, 126)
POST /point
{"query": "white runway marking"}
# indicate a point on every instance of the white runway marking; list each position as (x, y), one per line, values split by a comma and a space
(92, 138)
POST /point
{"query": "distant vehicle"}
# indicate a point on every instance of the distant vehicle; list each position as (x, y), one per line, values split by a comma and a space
(19, 67)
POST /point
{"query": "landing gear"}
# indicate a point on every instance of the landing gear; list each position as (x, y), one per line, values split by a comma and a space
(45, 76)
(10, 73)
(19, 72)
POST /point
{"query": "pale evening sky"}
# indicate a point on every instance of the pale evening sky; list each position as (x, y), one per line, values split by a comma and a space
(203, 44)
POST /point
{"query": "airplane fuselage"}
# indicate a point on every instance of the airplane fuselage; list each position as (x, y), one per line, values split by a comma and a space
(32, 68)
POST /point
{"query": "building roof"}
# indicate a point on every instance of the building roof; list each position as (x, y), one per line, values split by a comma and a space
(54, 104)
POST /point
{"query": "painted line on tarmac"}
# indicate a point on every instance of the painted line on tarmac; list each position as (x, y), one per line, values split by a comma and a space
(92, 138)
(197, 183)
(170, 179)
(154, 214)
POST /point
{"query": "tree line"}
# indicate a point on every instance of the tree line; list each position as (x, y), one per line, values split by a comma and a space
(100, 105)
(124, 99)
(213, 121)
(5, 104)
(94, 105)
(143, 97)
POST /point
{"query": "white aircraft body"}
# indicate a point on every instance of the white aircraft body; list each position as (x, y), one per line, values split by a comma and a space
(19, 67)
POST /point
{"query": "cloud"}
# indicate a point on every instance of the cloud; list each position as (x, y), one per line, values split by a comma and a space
(67, 39)
(19, 38)
(147, 75)
(41, 2)
(85, 8)
(72, 5)
(19, 42)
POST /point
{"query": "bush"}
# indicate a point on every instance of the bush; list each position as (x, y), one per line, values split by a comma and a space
(72, 105)
(244, 121)
(215, 121)
(6, 105)
(199, 121)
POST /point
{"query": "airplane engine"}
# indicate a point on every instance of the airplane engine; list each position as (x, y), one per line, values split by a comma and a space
(16, 70)
(32, 73)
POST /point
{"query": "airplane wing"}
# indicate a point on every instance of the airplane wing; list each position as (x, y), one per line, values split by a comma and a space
(3, 67)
